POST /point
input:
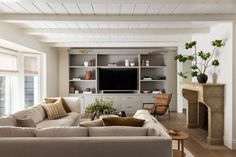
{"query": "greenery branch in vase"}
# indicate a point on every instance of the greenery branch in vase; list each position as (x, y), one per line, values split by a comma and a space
(201, 60)
(100, 107)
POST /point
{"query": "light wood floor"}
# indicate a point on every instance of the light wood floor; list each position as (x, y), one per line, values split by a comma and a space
(196, 144)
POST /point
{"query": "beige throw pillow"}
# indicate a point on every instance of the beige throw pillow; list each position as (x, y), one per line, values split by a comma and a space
(94, 123)
(25, 122)
(55, 110)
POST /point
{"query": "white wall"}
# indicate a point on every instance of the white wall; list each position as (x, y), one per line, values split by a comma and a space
(224, 71)
(171, 78)
(184, 67)
(52, 73)
(63, 72)
(13, 34)
(234, 86)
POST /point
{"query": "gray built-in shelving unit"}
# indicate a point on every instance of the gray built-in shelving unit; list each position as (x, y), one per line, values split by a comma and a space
(156, 69)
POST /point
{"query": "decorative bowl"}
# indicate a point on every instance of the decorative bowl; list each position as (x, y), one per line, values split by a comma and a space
(174, 132)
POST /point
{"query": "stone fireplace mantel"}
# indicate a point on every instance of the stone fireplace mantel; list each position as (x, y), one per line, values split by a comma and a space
(211, 95)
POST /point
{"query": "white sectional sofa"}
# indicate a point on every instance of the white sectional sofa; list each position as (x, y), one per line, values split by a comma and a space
(38, 115)
(151, 140)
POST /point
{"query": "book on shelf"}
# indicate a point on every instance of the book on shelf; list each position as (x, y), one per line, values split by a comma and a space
(76, 79)
(85, 92)
(147, 78)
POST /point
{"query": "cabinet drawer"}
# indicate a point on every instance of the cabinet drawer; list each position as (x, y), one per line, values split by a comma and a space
(148, 99)
(130, 107)
(107, 98)
(129, 98)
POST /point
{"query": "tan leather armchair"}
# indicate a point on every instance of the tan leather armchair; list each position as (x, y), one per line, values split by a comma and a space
(161, 105)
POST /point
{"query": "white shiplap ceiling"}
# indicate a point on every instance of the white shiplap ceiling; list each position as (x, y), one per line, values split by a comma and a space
(65, 23)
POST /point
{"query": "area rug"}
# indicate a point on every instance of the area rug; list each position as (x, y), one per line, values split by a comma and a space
(187, 152)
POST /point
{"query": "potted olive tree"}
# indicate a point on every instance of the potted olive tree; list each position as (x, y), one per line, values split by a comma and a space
(100, 107)
(202, 60)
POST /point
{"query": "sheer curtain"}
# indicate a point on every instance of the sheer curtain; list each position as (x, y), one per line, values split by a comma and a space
(8, 83)
(31, 79)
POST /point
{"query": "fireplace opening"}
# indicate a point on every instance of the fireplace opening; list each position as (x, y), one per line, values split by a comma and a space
(203, 116)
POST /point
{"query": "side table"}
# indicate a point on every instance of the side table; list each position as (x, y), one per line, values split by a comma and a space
(180, 137)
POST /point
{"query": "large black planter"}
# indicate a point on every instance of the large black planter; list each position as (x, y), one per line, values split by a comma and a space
(202, 78)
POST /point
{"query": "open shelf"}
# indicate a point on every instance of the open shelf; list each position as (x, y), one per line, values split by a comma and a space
(156, 70)
(152, 80)
(81, 80)
(82, 67)
(111, 67)
(162, 66)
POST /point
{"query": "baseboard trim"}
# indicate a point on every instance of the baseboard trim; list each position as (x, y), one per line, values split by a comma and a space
(234, 144)
(227, 142)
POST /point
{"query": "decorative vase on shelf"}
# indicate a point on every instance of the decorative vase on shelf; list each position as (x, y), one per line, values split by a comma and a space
(85, 63)
(202, 78)
(72, 89)
(214, 77)
(87, 75)
(126, 62)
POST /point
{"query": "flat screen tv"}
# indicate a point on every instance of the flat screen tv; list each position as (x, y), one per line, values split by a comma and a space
(117, 79)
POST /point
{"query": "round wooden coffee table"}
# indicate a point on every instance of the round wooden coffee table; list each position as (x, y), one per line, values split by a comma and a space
(180, 137)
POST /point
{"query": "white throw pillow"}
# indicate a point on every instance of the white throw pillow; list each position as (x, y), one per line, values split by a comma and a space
(73, 103)
(7, 121)
(36, 113)
(94, 123)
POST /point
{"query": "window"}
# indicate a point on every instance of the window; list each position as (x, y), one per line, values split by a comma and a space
(19, 81)
(31, 82)
(2, 95)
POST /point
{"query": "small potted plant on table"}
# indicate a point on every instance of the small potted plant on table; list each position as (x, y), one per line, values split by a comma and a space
(100, 107)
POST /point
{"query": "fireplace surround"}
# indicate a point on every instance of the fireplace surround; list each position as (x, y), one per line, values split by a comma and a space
(205, 100)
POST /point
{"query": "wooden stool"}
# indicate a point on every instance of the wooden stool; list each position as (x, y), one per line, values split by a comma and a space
(180, 137)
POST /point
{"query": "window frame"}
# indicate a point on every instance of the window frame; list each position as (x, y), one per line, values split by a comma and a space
(37, 96)
(17, 102)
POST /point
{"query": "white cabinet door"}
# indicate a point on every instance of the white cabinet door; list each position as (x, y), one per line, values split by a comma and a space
(88, 99)
(82, 104)
(148, 99)
(130, 104)
(113, 99)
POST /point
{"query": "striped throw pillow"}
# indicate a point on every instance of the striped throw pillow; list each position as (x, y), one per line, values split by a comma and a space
(55, 110)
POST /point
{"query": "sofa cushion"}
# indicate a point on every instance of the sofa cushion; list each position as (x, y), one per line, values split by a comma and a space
(7, 131)
(7, 121)
(55, 110)
(94, 123)
(123, 121)
(68, 120)
(73, 103)
(150, 122)
(62, 132)
(36, 113)
(117, 131)
(53, 100)
(25, 122)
